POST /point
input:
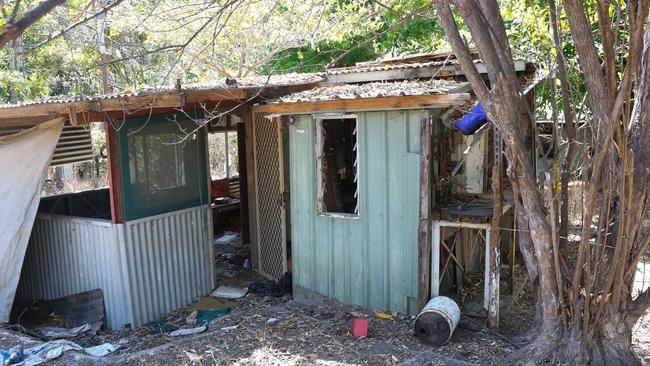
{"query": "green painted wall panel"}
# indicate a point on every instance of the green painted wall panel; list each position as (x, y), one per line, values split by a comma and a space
(370, 260)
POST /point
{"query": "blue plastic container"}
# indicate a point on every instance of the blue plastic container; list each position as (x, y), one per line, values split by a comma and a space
(472, 121)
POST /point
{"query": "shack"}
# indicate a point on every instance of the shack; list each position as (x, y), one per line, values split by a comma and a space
(354, 159)
(330, 182)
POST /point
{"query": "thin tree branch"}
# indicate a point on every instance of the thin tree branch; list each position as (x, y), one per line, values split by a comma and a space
(75, 25)
(461, 50)
(14, 13)
(13, 30)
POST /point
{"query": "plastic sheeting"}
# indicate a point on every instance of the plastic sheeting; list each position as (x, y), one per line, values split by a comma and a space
(49, 351)
(472, 121)
(24, 159)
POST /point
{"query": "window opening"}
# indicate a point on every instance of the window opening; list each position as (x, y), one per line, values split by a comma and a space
(224, 158)
(162, 168)
(337, 166)
(157, 161)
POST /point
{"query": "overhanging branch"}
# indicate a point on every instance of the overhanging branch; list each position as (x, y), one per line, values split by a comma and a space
(75, 25)
(14, 30)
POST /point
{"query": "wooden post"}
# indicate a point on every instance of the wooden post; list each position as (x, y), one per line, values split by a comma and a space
(495, 234)
(248, 116)
(424, 227)
(243, 181)
(513, 251)
(114, 182)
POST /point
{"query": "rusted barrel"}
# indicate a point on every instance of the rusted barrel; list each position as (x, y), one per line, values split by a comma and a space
(436, 322)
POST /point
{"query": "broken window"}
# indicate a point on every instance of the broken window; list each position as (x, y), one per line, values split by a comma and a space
(337, 166)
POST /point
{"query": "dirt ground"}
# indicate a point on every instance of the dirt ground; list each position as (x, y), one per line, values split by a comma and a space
(280, 331)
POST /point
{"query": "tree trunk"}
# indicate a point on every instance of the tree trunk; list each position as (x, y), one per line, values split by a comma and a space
(101, 46)
(610, 343)
(15, 64)
(584, 309)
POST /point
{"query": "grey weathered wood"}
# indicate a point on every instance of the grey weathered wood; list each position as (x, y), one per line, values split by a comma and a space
(495, 229)
(247, 116)
(424, 227)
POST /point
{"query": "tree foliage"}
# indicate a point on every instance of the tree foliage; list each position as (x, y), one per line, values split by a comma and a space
(153, 42)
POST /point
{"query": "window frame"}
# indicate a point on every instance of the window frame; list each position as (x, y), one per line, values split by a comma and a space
(227, 161)
(320, 205)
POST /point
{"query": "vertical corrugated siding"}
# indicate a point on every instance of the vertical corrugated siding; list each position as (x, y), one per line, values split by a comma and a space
(370, 260)
(66, 256)
(145, 268)
(168, 261)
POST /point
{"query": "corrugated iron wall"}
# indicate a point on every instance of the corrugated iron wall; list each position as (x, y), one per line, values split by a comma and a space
(370, 260)
(145, 268)
(74, 145)
(66, 256)
(169, 261)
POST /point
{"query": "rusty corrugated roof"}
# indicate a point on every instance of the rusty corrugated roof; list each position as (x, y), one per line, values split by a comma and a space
(250, 83)
(388, 66)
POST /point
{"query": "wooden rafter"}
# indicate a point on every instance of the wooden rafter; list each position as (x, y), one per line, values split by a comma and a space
(369, 104)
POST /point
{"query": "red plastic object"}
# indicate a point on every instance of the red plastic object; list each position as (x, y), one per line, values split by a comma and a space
(360, 327)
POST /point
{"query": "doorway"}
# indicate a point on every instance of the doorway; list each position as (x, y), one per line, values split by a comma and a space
(270, 155)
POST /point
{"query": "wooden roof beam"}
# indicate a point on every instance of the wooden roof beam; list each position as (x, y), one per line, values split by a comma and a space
(368, 104)
(131, 103)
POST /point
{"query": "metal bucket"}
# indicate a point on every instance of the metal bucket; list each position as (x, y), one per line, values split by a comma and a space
(437, 321)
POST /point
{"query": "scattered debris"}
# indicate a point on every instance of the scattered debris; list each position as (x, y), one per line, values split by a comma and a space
(188, 331)
(208, 303)
(303, 334)
(101, 350)
(360, 327)
(10, 357)
(161, 327)
(382, 315)
(65, 312)
(278, 289)
(205, 317)
(191, 318)
(56, 332)
(226, 239)
(437, 321)
(272, 320)
(49, 351)
(495, 333)
(193, 357)
(225, 201)
(227, 329)
(228, 292)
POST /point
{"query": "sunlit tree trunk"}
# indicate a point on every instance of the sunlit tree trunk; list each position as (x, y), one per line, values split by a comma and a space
(16, 62)
(101, 46)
